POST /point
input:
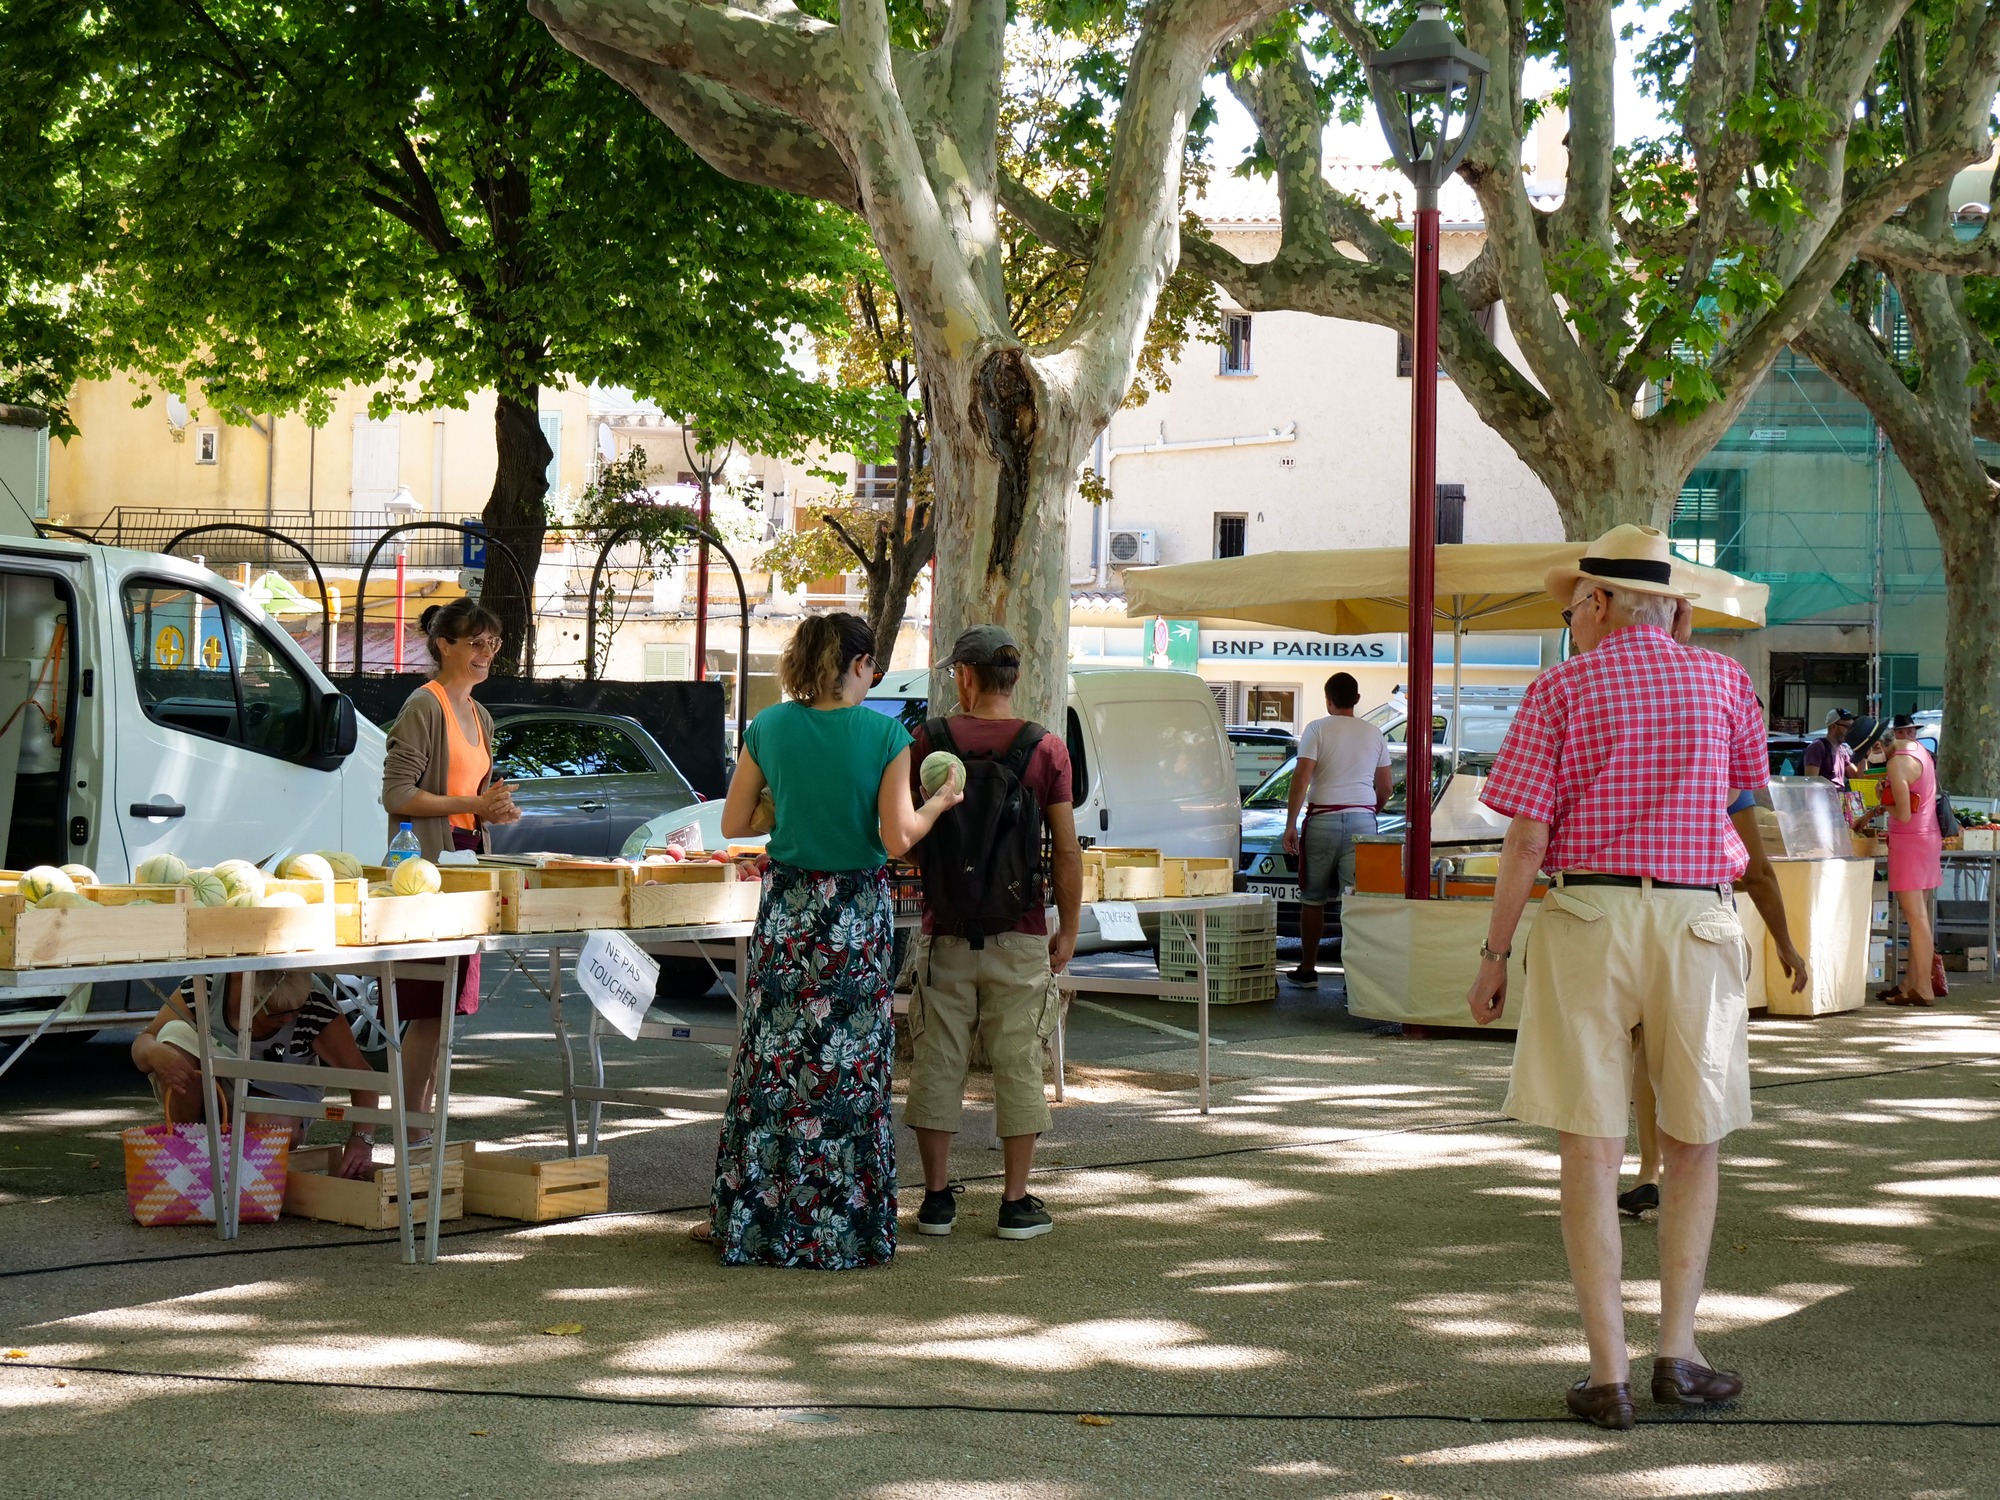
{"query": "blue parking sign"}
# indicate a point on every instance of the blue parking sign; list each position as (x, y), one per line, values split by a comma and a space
(473, 544)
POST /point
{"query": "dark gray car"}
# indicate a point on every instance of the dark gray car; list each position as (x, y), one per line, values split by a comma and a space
(583, 781)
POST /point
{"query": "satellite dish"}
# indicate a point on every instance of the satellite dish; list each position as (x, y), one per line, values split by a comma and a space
(607, 444)
(178, 415)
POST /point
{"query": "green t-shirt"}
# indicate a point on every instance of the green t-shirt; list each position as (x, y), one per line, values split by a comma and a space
(825, 768)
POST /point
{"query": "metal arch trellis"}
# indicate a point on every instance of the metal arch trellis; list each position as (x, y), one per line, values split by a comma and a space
(514, 562)
(742, 609)
(319, 579)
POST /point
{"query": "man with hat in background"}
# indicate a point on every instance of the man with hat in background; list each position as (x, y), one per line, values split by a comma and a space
(986, 962)
(1637, 934)
(1831, 757)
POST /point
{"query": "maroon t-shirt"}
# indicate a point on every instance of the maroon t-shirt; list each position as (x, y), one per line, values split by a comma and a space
(1048, 776)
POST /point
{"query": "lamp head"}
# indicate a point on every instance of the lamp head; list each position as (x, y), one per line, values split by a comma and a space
(1419, 84)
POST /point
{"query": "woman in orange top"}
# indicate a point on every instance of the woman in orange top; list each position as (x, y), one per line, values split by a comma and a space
(438, 777)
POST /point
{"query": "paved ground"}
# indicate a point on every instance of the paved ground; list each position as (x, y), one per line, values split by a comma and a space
(1345, 1282)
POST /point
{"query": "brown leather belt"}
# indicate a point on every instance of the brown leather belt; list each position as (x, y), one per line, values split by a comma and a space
(1637, 882)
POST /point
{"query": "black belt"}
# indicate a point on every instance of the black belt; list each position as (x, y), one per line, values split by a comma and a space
(1636, 882)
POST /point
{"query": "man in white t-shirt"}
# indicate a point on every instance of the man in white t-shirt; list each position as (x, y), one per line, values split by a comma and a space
(1341, 781)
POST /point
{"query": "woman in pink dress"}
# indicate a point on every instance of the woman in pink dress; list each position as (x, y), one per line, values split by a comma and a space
(1915, 869)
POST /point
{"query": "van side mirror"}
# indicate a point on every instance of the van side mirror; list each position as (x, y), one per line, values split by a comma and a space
(339, 730)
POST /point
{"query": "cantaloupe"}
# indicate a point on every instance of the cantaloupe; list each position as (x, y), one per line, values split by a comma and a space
(42, 881)
(81, 874)
(241, 878)
(307, 867)
(283, 898)
(381, 888)
(940, 766)
(207, 887)
(162, 869)
(241, 898)
(416, 877)
(59, 899)
(344, 865)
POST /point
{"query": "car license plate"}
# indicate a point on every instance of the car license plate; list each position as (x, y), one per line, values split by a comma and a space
(1286, 893)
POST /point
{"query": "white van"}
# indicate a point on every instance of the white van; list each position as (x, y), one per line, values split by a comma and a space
(148, 707)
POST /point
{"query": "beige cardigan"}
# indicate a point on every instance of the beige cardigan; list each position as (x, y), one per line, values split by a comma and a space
(418, 749)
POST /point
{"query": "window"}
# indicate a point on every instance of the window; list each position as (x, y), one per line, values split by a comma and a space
(204, 669)
(1236, 344)
(552, 430)
(1450, 513)
(377, 457)
(667, 661)
(874, 482)
(1707, 527)
(1230, 533)
(1405, 350)
(207, 445)
(533, 749)
(1079, 762)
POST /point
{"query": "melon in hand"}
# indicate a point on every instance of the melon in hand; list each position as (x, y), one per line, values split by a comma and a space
(940, 766)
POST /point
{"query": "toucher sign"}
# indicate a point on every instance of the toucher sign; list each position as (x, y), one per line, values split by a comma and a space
(619, 979)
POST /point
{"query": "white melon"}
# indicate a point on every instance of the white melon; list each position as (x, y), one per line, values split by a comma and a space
(58, 899)
(42, 881)
(162, 869)
(307, 867)
(344, 865)
(241, 878)
(416, 877)
(241, 898)
(81, 874)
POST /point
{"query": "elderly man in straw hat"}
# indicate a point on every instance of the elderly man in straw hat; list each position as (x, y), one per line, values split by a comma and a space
(1637, 945)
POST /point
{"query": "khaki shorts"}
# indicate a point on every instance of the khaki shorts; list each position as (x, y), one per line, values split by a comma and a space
(1005, 993)
(1604, 962)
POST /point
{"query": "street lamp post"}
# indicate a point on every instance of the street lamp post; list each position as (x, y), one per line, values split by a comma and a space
(1420, 85)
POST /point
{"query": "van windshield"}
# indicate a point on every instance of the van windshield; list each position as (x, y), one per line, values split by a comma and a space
(909, 712)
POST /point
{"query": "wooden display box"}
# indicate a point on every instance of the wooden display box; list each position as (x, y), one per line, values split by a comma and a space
(228, 931)
(313, 1192)
(1124, 874)
(1987, 839)
(695, 894)
(564, 898)
(1199, 877)
(468, 905)
(518, 1187)
(119, 927)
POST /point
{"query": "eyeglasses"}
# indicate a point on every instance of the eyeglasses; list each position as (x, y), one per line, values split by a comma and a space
(1566, 617)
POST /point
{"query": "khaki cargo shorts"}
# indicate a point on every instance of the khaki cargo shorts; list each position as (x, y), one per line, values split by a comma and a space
(1005, 994)
(1614, 970)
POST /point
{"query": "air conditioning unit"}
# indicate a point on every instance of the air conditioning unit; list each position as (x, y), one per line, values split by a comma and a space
(1134, 547)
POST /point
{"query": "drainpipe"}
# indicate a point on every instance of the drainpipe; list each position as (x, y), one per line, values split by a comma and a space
(1101, 578)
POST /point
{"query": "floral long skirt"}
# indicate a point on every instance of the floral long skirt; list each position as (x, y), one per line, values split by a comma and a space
(806, 1172)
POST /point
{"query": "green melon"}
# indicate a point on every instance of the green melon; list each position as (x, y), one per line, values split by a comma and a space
(162, 869)
(207, 887)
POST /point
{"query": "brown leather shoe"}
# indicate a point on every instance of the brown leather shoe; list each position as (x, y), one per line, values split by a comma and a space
(1602, 1405)
(1682, 1382)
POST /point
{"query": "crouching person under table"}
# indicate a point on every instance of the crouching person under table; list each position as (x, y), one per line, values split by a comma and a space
(986, 963)
(295, 1019)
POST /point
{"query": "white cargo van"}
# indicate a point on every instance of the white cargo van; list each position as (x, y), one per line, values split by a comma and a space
(147, 707)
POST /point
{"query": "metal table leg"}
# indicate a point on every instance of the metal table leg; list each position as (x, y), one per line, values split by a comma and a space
(596, 1036)
(239, 1123)
(563, 1045)
(1198, 932)
(215, 1167)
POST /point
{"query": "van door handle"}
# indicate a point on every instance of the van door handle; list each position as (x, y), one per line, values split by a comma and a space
(159, 810)
(1104, 820)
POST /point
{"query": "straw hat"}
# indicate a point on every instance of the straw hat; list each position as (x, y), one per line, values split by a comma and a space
(1637, 558)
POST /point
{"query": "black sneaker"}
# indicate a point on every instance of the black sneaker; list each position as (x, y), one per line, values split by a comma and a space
(1024, 1218)
(939, 1210)
(1640, 1201)
(1304, 978)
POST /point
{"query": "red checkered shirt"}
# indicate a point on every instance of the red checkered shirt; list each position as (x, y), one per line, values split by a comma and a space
(1629, 753)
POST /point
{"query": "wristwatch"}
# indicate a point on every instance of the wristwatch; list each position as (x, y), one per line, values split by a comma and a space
(1491, 957)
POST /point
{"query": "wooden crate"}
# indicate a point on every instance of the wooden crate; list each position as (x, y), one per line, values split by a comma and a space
(468, 905)
(517, 1187)
(124, 924)
(313, 1192)
(1126, 874)
(1199, 877)
(227, 931)
(695, 894)
(564, 898)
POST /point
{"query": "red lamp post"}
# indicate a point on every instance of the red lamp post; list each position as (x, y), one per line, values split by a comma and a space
(1420, 85)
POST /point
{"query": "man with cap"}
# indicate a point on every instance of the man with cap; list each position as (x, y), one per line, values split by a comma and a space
(1637, 944)
(986, 962)
(1831, 757)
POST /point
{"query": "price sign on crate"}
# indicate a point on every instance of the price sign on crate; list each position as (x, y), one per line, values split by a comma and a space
(1118, 922)
(619, 979)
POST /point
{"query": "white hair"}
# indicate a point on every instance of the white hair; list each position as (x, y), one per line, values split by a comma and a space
(1642, 608)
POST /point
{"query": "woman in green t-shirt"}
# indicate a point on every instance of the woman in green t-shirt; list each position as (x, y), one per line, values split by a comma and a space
(806, 1171)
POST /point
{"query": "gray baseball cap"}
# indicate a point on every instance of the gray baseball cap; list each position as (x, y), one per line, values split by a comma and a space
(980, 646)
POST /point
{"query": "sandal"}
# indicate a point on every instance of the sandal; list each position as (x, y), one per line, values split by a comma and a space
(1904, 997)
(702, 1234)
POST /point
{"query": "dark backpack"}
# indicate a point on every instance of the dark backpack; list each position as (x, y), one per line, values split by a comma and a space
(983, 863)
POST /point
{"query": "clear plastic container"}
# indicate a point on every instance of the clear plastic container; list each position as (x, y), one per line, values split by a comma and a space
(403, 846)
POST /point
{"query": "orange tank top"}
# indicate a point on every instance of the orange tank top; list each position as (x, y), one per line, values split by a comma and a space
(467, 762)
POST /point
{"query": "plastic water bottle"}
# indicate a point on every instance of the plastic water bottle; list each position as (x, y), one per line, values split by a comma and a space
(403, 846)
